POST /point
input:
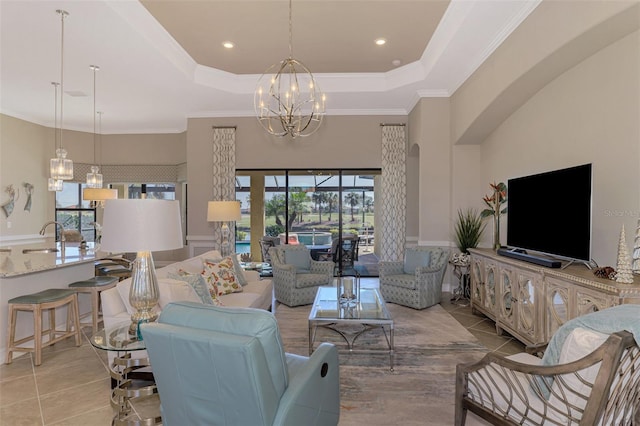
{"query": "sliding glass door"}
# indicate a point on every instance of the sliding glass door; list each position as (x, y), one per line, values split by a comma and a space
(310, 207)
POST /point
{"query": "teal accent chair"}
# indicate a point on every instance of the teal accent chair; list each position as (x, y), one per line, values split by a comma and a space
(226, 366)
(415, 282)
(296, 276)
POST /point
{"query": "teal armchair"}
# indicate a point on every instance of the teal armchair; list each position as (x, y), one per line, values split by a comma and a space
(226, 366)
(415, 282)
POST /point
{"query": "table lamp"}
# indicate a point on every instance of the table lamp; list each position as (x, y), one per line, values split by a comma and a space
(224, 211)
(142, 226)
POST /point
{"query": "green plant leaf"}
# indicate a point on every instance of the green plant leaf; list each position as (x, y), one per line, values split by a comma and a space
(486, 213)
(468, 229)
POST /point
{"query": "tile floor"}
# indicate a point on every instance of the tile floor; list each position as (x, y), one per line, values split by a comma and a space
(72, 385)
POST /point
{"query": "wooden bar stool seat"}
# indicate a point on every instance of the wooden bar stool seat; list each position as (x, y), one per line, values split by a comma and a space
(46, 300)
(94, 286)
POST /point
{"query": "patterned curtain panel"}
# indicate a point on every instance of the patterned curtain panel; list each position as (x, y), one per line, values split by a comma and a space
(224, 177)
(392, 216)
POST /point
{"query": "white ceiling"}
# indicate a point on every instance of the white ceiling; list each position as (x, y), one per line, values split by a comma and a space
(159, 69)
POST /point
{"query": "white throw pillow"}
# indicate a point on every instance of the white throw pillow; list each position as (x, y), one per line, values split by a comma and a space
(175, 291)
(580, 343)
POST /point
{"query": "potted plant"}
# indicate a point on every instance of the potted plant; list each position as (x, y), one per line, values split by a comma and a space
(468, 230)
(495, 202)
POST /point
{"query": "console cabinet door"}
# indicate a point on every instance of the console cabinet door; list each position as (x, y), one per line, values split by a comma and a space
(491, 280)
(529, 320)
(558, 305)
(507, 297)
(589, 301)
(477, 282)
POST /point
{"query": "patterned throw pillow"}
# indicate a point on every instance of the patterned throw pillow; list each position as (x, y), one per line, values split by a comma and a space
(221, 275)
(238, 271)
(199, 285)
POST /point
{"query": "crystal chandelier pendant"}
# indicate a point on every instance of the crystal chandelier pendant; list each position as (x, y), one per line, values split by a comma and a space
(94, 179)
(61, 167)
(54, 184)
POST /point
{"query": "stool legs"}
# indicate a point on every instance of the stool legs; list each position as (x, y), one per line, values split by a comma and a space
(72, 326)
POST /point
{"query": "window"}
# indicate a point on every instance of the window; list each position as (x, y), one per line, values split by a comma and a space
(73, 212)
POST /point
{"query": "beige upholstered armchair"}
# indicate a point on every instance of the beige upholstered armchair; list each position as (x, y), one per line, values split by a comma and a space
(589, 375)
(296, 276)
(417, 281)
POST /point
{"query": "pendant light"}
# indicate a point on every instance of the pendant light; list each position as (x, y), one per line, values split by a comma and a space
(94, 179)
(61, 167)
(55, 184)
(98, 196)
(287, 100)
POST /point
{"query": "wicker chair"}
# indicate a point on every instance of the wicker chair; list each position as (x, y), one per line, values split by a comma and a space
(296, 276)
(592, 383)
(416, 282)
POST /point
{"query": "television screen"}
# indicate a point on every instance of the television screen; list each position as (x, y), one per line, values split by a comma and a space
(551, 213)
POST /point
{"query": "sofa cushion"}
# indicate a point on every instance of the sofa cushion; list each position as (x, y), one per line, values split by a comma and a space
(298, 258)
(415, 259)
(199, 285)
(221, 275)
(175, 291)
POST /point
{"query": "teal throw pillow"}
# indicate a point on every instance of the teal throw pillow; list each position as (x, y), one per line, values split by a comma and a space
(298, 258)
(197, 282)
(416, 259)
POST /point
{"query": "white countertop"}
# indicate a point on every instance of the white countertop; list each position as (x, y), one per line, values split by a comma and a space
(16, 263)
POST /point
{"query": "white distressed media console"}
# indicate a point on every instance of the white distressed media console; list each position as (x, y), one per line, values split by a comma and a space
(530, 302)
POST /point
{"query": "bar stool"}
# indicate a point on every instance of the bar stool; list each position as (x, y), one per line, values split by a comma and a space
(46, 300)
(94, 286)
(113, 267)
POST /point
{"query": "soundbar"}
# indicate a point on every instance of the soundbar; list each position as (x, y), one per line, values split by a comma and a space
(521, 255)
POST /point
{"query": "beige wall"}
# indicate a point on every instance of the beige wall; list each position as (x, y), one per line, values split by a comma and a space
(25, 150)
(341, 142)
(589, 114)
(556, 36)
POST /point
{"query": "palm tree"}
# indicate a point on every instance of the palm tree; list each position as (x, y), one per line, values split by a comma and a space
(353, 200)
(319, 198)
(332, 202)
(296, 205)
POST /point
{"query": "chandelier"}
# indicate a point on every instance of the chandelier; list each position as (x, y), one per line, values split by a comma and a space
(287, 100)
(61, 168)
(94, 179)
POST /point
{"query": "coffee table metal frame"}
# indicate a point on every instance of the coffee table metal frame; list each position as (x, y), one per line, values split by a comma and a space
(370, 312)
(124, 370)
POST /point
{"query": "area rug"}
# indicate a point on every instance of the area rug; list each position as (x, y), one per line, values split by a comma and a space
(420, 391)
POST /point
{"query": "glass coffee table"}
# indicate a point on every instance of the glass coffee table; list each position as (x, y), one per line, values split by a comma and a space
(128, 379)
(368, 313)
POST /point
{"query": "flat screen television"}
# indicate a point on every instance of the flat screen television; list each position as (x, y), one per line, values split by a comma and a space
(550, 213)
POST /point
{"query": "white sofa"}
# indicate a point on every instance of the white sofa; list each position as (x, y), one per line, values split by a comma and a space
(257, 293)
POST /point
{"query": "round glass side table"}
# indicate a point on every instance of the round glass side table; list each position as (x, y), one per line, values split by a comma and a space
(128, 381)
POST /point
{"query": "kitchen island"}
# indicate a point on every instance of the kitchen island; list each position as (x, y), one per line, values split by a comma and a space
(39, 269)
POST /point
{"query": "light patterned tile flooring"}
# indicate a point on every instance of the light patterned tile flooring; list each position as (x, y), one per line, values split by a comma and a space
(72, 385)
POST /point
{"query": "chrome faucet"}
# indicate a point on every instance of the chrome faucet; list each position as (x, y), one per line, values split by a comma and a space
(62, 239)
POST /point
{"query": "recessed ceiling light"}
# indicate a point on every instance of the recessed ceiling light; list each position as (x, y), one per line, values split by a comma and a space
(380, 41)
(228, 44)
(396, 62)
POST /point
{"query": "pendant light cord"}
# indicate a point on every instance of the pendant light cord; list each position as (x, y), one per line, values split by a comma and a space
(62, 16)
(290, 32)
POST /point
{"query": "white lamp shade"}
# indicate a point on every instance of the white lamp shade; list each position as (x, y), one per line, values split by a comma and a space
(223, 211)
(99, 194)
(141, 225)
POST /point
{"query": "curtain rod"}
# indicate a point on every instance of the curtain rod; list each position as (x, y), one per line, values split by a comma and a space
(392, 124)
(224, 127)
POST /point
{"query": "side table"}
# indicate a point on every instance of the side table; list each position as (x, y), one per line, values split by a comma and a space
(461, 271)
(124, 371)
